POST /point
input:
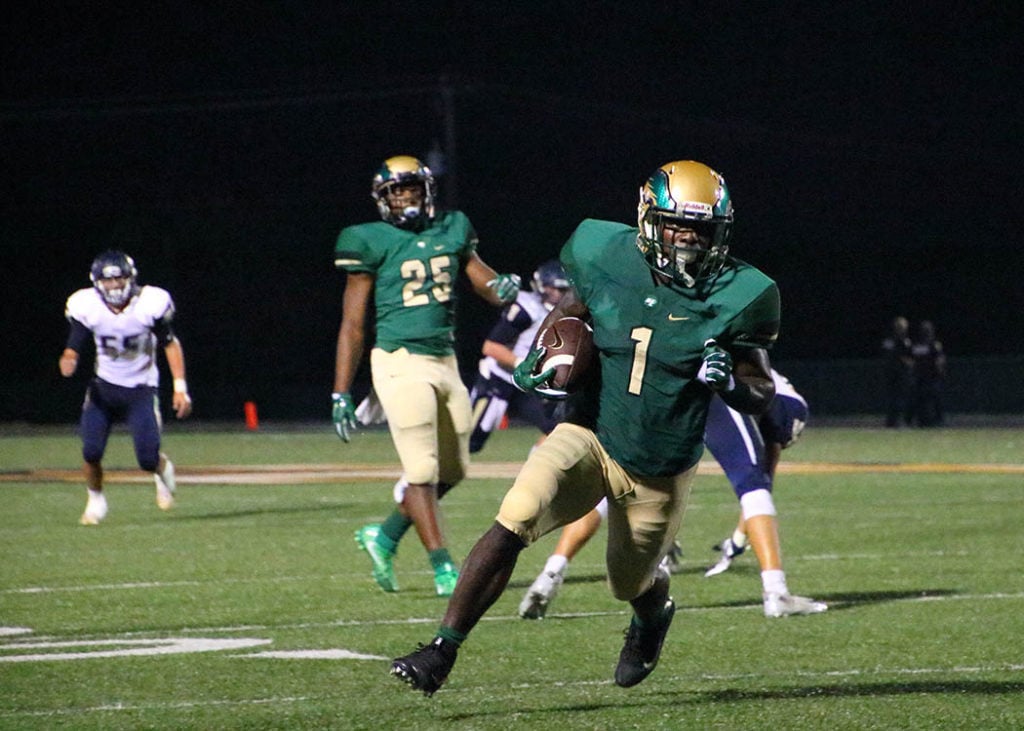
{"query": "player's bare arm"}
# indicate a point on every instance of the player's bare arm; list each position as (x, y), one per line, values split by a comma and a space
(498, 289)
(480, 276)
(352, 332)
(181, 402)
(502, 354)
(68, 362)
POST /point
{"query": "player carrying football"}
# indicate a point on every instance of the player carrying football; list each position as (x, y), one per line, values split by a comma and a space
(408, 264)
(675, 320)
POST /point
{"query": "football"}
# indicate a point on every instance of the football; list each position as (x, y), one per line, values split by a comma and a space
(570, 351)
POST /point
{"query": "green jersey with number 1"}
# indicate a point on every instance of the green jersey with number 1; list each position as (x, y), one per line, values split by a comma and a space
(415, 274)
(650, 336)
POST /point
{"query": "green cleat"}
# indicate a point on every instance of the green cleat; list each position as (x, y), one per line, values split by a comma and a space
(383, 571)
(445, 577)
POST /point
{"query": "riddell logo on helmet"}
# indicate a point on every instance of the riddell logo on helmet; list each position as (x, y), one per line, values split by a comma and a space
(697, 209)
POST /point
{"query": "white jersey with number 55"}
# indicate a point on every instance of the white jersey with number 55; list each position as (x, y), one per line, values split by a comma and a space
(125, 343)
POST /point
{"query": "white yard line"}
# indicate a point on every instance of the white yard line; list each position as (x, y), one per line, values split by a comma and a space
(683, 681)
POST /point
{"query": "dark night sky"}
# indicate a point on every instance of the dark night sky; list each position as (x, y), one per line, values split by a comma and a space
(873, 153)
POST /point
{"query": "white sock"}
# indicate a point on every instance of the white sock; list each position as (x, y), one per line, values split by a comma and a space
(774, 581)
(739, 539)
(399, 490)
(557, 564)
(166, 475)
(95, 494)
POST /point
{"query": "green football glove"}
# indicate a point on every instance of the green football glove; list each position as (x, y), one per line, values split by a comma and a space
(523, 375)
(343, 415)
(506, 287)
(716, 370)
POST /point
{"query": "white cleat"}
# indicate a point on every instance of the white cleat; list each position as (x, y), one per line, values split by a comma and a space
(95, 510)
(540, 594)
(782, 605)
(165, 486)
(673, 561)
(723, 564)
(729, 551)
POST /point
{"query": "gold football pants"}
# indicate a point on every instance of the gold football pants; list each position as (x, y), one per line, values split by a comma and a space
(566, 477)
(428, 412)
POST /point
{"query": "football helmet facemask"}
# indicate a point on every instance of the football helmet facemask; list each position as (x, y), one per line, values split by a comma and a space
(550, 275)
(404, 170)
(114, 265)
(685, 194)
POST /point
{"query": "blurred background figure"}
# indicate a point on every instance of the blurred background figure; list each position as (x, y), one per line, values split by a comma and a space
(929, 369)
(506, 345)
(898, 365)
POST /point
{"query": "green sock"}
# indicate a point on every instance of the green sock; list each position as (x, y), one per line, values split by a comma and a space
(393, 528)
(395, 525)
(451, 635)
(440, 557)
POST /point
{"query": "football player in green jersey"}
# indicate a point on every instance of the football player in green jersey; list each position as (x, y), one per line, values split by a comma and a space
(407, 264)
(675, 320)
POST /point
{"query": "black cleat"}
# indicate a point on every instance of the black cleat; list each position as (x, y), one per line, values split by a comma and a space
(640, 653)
(427, 668)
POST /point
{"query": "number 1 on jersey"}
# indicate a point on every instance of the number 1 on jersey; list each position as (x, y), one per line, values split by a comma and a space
(642, 337)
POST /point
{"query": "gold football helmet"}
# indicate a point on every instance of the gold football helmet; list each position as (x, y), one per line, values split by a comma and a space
(398, 171)
(685, 195)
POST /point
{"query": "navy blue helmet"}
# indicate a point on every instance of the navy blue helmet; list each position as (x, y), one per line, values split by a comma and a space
(114, 265)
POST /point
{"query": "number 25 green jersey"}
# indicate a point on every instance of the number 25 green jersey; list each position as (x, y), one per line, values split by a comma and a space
(415, 274)
(651, 408)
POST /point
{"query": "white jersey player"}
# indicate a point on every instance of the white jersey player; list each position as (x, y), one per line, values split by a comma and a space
(127, 324)
(506, 345)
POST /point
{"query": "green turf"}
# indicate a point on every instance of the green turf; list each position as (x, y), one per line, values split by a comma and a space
(922, 572)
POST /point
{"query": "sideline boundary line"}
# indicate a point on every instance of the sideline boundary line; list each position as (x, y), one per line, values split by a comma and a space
(295, 474)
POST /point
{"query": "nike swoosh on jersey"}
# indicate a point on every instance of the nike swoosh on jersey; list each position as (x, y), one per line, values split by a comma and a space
(677, 318)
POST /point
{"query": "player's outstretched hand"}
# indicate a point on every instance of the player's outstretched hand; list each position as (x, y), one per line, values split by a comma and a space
(344, 415)
(505, 287)
(716, 368)
(523, 375)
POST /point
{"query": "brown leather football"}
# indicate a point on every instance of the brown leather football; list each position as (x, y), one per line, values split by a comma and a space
(570, 351)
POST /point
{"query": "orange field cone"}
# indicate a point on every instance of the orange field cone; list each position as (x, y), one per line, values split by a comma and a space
(252, 419)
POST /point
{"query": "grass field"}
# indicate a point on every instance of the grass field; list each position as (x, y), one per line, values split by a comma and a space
(249, 605)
